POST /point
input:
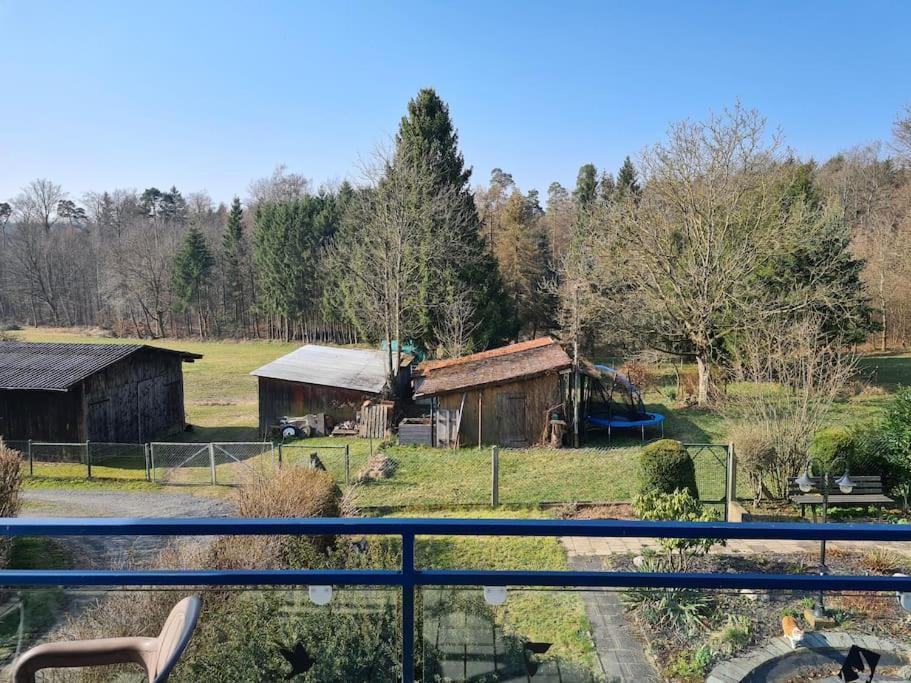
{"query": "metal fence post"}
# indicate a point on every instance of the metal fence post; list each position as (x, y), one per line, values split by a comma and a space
(730, 476)
(212, 460)
(347, 465)
(88, 459)
(279, 456)
(495, 477)
(31, 463)
(146, 452)
(407, 607)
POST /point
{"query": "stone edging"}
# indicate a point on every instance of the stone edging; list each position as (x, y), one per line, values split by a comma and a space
(741, 669)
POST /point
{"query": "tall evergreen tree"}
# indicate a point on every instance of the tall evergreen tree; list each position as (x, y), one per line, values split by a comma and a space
(427, 139)
(586, 185)
(234, 257)
(288, 242)
(627, 179)
(192, 267)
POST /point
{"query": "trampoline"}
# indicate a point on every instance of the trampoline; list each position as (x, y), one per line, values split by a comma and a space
(613, 402)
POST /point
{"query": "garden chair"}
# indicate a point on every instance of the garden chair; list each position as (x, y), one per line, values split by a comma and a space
(158, 655)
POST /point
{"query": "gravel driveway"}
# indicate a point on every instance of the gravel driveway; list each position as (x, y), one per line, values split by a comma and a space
(105, 552)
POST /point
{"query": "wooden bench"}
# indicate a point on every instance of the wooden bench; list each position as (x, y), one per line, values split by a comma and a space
(867, 492)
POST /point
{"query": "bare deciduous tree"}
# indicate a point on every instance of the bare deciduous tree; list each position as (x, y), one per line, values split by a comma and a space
(789, 375)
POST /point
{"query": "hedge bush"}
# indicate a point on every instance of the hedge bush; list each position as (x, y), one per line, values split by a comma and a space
(10, 484)
(756, 454)
(665, 466)
(834, 443)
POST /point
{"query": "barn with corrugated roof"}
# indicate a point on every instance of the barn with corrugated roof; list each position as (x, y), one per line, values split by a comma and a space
(116, 393)
(326, 379)
(502, 396)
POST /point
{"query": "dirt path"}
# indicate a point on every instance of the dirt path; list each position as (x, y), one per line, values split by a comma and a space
(105, 552)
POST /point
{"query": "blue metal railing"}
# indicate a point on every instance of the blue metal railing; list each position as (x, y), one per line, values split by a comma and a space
(409, 576)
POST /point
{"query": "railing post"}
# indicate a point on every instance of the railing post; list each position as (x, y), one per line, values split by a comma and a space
(31, 463)
(88, 459)
(495, 477)
(730, 480)
(347, 465)
(146, 453)
(212, 461)
(407, 607)
(279, 456)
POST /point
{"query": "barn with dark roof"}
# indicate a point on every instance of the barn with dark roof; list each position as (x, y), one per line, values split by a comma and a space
(117, 393)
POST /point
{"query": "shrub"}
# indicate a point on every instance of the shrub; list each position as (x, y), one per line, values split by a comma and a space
(10, 483)
(733, 636)
(682, 611)
(833, 443)
(291, 492)
(643, 375)
(677, 506)
(755, 450)
(665, 466)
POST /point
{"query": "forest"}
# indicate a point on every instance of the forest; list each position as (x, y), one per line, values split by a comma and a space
(714, 242)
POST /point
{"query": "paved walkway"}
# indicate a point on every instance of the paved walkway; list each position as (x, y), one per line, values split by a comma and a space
(600, 547)
(622, 656)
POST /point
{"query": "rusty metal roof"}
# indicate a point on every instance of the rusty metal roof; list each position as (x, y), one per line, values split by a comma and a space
(497, 366)
(330, 366)
(43, 366)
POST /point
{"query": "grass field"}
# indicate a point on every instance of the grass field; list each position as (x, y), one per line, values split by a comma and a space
(221, 404)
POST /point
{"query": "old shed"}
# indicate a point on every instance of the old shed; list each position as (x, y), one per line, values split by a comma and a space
(501, 396)
(118, 393)
(325, 379)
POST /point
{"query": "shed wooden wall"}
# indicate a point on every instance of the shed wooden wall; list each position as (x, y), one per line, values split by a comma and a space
(41, 415)
(279, 398)
(134, 400)
(499, 419)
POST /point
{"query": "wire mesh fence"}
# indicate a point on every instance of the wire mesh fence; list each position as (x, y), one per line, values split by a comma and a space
(210, 463)
(339, 461)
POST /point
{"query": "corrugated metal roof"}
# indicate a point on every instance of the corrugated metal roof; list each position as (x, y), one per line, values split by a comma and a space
(57, 367)
(359, 369)
(498, 366)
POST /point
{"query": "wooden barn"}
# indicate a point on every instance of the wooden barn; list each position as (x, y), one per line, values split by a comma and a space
(115, 393)
(501, 396)
(325, 379)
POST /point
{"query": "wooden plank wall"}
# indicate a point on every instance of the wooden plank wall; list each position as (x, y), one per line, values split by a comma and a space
(541, 393)
(278, 398)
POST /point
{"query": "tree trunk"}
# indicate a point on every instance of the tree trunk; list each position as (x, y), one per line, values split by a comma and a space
(702, 391)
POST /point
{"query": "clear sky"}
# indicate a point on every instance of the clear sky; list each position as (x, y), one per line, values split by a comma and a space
(209, 95)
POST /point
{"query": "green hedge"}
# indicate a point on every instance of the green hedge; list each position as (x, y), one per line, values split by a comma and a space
(665, 466)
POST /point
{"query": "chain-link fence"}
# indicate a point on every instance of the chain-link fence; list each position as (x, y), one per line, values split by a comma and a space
(210, 463)
(78, 460)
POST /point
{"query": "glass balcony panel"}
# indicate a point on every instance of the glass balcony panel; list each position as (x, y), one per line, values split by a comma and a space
(267, 634)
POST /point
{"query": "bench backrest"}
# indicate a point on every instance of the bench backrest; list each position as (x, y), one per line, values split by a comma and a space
(863, 485)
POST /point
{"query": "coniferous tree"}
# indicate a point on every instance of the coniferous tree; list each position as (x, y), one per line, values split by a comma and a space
(192, 267)
(627, 179)
(428, 140)
(234, 255)
(586, 185)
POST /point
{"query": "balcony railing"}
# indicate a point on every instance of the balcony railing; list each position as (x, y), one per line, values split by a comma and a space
(409, 577)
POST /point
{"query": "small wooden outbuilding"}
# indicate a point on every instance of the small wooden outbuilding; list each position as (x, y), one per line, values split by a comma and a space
(502, 396)
(325, 379)
(116, 393)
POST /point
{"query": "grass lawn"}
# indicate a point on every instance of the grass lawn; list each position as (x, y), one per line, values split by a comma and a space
(221, 404)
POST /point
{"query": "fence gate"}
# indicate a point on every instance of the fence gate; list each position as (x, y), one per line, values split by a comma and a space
(182, 463)
(236, 462)
(712, 471)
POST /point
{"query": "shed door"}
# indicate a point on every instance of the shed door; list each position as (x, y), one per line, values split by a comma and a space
(99, 421)
(512, 419)
(145, 407)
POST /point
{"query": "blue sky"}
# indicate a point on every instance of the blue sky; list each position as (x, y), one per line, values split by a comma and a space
(210, 95)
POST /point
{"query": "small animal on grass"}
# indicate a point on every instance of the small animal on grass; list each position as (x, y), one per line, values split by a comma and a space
(791, 631)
